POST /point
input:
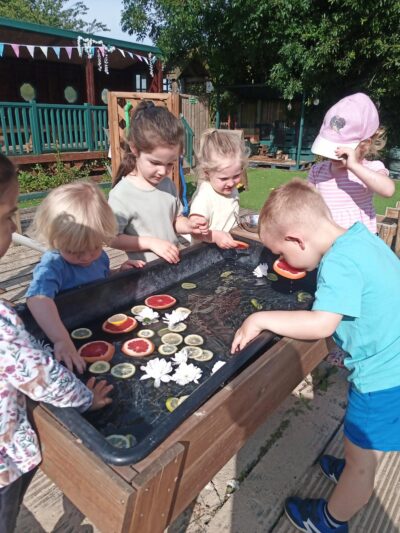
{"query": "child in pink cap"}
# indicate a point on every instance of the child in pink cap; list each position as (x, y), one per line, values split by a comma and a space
(348, 181)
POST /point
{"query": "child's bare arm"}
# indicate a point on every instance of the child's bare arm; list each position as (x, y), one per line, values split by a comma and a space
(303, 325)
(195, 224)
(46, 315)
(376, 181)
(162, 248)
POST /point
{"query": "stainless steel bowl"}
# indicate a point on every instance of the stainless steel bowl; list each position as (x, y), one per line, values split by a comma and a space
(248, 222)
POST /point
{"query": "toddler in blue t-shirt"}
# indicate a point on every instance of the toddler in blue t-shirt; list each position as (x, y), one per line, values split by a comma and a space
(75, 221)
(358, 284)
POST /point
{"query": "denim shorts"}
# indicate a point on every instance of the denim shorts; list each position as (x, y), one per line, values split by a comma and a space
(372, 419)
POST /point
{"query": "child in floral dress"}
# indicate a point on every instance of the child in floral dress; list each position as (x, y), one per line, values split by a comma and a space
(27, 368)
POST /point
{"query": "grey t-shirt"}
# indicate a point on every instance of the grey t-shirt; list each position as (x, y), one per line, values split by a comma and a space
(146, 212)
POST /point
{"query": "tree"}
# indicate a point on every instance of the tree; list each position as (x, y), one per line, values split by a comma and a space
(51, 13)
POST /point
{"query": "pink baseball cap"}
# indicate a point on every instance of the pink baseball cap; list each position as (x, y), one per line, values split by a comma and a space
(350, 121)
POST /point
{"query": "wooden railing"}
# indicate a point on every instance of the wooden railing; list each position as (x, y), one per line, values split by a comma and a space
(44, 128)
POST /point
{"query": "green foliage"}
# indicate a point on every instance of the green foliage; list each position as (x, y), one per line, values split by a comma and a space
(42, 179)
(51, 13)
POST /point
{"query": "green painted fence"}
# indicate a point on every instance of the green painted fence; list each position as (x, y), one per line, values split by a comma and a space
(189, 135)
(44, 128)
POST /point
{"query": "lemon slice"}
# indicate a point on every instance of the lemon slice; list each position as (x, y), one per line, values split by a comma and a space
(172, 338)
(99, 367)
(119, 441)
(188, 285)
(117, 319)
(193, 351)
(184, 310)
(145, 333)
(206, 355)
(172, 402)
(81, 333)
(194, 340)
(226, 274)
(137, 309)
(178, 328)
(167, 349)
(123, 370)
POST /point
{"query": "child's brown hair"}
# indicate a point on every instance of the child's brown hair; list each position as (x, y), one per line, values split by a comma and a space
(8, 173)
(151, 126)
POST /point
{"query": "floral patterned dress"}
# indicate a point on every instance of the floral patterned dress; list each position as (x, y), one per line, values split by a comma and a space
(28, 368)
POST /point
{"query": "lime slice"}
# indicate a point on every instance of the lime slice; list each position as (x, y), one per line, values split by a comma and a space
(81, 333)
(193, 351)
(303, 296)
(184, 310)
(178, 328)
(206, 355)
(167, 349)
(137, 309)
(194, 340)
(119, 441)
(256, 304)
(226, 274)
(99, 367)
(172, 338)
(172, 402)
(123, 370)
(145, 333)
(272, 276)
(188, 285)
(117, 319)
(163, 332)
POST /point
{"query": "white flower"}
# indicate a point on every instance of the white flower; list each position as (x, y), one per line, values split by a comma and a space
(261, 270)
(157, 369)
(148, 316)
(175, 317)
(180, 357)
(185, 374)
(217, 366)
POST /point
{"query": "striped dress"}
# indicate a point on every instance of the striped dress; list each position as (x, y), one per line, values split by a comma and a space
(347, 197)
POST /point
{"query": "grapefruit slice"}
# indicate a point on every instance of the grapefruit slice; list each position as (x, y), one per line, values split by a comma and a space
(160, 301)
(285, 270)
(240, 245)
(138, 347)
(121, 326)
(96, 351)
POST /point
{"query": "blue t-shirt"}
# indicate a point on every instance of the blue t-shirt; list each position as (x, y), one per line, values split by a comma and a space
(359, 278)
(53, 274)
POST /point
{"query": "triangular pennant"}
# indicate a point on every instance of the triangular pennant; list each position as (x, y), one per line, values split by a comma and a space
(130, 54)
(57, 51)
(91, 52)
(15, 47)
(145, 60)
(44, 49)
(31, 49)
(102, 50)
(122, 51)
(139, 57)
(68, 49)
(1, 49)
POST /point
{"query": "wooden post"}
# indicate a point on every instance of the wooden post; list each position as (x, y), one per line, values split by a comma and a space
(90, 91)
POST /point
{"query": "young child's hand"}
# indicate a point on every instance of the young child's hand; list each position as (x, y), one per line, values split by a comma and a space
(165, 249)
(347, 155)
(198, 225)
(65, 351)
(223, 239)
(101, 390)
(246, 333)
(132, 263)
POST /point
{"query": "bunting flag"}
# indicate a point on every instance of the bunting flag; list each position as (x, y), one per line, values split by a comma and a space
(68, 49)
(31, 49)
(1, 49)
(102, 50)
(57, 51)
(44, 49)
(122, 51)
(15, 47)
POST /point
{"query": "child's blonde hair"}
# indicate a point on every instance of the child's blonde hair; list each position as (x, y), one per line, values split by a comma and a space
(216, 145)
(374, 144)
(75, 217)
(293, 204)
